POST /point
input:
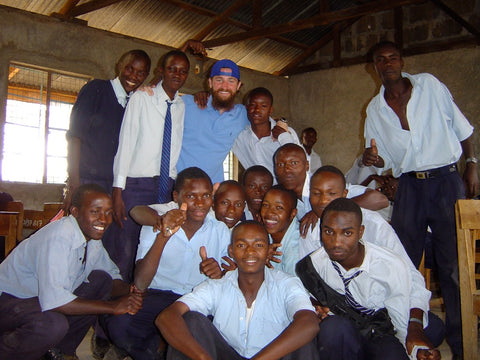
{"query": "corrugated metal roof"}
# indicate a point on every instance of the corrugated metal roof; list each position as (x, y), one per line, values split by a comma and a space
(171, 23)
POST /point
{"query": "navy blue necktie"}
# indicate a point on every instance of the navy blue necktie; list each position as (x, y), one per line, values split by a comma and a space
(163, 180)
(349, 299)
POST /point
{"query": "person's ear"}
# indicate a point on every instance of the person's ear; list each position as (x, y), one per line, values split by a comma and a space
(293, 213)
(230, 251)
(271, 111)
(175, 196)
(345, 192)
(239, 85)
(75, 211)
(210, 85)
(362, 229)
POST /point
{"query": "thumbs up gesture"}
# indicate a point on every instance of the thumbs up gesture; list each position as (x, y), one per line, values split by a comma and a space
(371, 157)
(209, 266)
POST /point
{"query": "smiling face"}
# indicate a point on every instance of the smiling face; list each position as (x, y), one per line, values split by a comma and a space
(174, 74)
(249, 248)
(197, 194)
(224, 89)
(259, 108)
(94, 215)
(324, 188)
(277, 213)
(256, 185)
(340, 234)
(388, 64)
(291, 168)
(229, 204)
(133, 73)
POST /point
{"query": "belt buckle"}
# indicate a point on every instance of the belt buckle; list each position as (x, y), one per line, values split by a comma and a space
(421, 175)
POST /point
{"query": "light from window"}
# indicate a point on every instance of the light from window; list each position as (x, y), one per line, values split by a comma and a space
(37, 117)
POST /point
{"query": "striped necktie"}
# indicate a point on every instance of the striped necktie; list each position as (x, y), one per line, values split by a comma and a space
(163, 180)
(349, 299)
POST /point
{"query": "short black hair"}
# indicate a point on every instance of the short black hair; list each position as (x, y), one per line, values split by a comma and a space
(343, 205)
(190, 173)
(381, 45)
(229, 182)
(164, 58)
(289, 146)
(331, 169)
(256, 169)
(83, 190)
(291, 194)
(260, 91)
(136, 54)
(245, 223)
(309, 129)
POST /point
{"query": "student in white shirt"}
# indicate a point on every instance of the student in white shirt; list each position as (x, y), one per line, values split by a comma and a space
(370, 278)
(257, 312)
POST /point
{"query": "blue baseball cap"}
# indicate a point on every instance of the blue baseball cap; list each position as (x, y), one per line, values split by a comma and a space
(222, 64)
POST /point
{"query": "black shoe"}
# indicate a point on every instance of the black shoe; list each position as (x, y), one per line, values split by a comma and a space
(57, 354)
(99, 346)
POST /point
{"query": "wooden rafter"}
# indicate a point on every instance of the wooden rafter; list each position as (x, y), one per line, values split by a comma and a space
(314, 48)
(256, 14)
(208, 13)
(317, 20)
(440, 4)
(220, 19)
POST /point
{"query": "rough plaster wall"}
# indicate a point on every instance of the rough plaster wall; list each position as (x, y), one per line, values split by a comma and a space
(334, 101)
(72, 47)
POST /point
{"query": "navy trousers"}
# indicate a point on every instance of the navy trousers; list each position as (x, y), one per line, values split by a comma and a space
(137, 334)
(208, 336)
(338, 339)
(420, 203)
(27, 333)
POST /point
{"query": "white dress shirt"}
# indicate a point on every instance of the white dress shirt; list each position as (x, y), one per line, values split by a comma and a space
(379, 232)
(139, 151)
(250, 150)
(314, 161)
(384, 282)
(51, 264)
(120, 92)
(436, 125)
(280, 296)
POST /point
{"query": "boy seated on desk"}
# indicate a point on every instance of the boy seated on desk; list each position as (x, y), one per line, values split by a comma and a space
(278, 211)
(55, 283)
(367, 288)
(187, 250)
(258, 313)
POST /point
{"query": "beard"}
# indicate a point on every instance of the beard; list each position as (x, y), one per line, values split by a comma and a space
(223, 103)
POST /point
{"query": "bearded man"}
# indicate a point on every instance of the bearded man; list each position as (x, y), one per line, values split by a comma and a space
(209, 133)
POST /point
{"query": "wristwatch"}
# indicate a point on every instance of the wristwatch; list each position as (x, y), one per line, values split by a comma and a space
(472, 159)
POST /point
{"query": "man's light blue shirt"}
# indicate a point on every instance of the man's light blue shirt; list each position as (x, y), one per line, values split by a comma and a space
(51, 264)
(208, 136)
(280, 296)
(290, 249)
(179, 266)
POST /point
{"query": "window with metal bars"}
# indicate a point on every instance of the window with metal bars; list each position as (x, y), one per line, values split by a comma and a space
(37, 117)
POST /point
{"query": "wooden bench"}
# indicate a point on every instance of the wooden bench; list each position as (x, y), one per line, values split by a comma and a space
(11, 224)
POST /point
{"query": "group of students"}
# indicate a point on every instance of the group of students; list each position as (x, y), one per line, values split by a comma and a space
(280, 265)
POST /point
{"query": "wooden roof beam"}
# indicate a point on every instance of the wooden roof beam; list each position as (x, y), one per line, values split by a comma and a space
(220, 19)
(470, 28)
(317, 20)
(208, 13)
(313, 49)
(90, 6)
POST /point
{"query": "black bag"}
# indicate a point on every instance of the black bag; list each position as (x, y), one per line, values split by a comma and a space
(370, 326)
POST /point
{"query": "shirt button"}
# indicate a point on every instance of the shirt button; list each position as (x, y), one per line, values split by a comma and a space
(241, 318)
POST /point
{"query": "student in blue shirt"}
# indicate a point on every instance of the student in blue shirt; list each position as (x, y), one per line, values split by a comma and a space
(187, 250)
(278, 211)
(229, 203)
(258, 313)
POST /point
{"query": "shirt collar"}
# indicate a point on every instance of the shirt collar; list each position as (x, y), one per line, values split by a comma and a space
(120, 92)
(78, 239)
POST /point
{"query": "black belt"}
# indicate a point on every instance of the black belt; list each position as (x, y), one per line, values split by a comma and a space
(433, 173)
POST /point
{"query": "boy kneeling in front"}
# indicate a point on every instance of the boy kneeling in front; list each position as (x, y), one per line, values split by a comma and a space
(258, 313)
